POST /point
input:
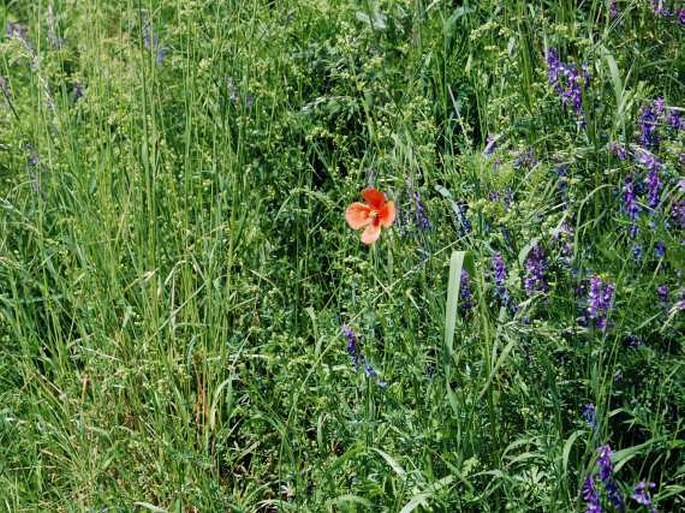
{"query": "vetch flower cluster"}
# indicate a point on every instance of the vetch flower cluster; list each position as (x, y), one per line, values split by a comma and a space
(536, 271)
(600, 300)
(352, 345)
(420, 218)
(631, 207)
(499, 271)
(590, 495)
(606, 475)
(648, 121)
(613, 10)
(465, 293)
(641, 495)
(526, 159)
(358, 359)
(569, 81)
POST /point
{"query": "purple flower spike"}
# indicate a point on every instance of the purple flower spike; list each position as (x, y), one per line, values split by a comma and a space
(465, 291)
(630, 205)
(591, 496)
(674, 119)
(536, 269)
(654, 188)
(600, 301)
(619, 150)
(568, 81)
(678, 214)
(500, 274)
(660, 249)
(659, 8)
(662, 293)
(606, 474)
(641, 495)
(613, 10)
(590, 415)
(352, 345)
(420, 217)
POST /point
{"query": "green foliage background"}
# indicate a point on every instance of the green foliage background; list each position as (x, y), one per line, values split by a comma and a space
(175, 267)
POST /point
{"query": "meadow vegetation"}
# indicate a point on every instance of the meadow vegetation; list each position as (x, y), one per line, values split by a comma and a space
(188, 324)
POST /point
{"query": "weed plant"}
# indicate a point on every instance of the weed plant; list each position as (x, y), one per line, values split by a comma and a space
(188, 324)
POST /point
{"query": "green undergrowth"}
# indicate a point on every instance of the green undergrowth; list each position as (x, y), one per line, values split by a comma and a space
(188, 324)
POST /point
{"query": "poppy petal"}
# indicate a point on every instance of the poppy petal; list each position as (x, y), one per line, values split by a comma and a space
(374, 197)
(386, 216)
(357, 215)
(371, 234)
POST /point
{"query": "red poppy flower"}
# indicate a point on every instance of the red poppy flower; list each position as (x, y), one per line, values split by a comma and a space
(374, 214)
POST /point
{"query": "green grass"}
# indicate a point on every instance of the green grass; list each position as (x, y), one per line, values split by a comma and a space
(176, 270)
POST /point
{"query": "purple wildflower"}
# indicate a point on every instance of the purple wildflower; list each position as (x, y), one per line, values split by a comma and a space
(562, 183)
(681, 16)
(564, 237)
(352, 345)
(660, 249)
(606, 474)
(358, 359)
(619, 150)
(465, 291)
(654, 188)
(591, 496)
(420, 213)
(600, 301)
(648, 119)
(648, 159)
(613, 10)
(662, 293)
(658, 7)
(573, 93)
(659, 106)
(590, 415)
(630, 204)
(678, 213)
(637, 252)
(568, 82)
(633, 341)
(508, 198)
(554, 68)
(641, 495)
(525, 159)
(674, 119)
(371, 373)
(536, 269)
(500, 274)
